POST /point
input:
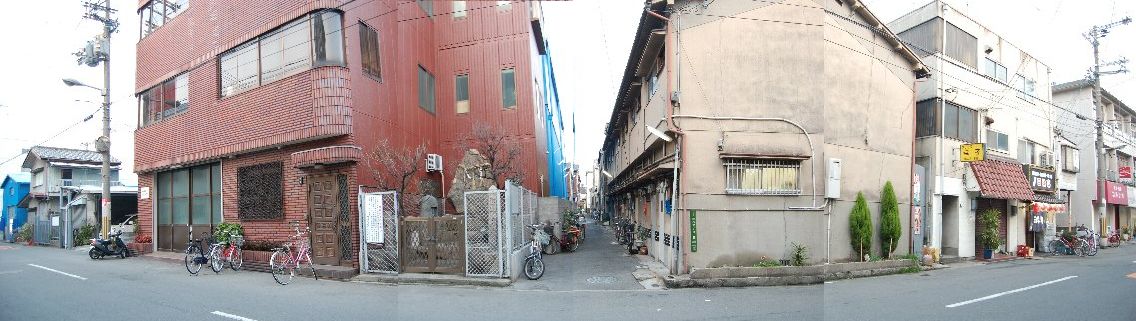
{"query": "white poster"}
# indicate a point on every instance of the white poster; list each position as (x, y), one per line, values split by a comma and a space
(144, 192)
(373, 209)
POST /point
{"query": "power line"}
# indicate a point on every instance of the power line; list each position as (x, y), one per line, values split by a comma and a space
(92, 115)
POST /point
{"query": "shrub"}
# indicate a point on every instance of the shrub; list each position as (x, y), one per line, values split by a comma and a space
(25, 233)
(766, 262)
(989, 234)
(800, 255)
(261, 245)
(84, 234)
(143, 238)
(221, 235)
(860, 225)
(890, 228)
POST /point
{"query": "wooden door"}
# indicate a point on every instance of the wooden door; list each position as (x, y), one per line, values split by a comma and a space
(322, 206)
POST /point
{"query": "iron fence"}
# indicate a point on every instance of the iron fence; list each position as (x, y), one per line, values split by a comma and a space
(378, 231)
(484, 218)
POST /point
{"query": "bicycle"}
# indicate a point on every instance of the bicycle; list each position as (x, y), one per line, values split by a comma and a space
(1062, 245)
(1113, 238)
(195, 254)
(1090, 238)
(534, 265)
(228, 251)
(285, 262)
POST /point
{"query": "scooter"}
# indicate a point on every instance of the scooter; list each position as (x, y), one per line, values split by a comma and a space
(112, 247)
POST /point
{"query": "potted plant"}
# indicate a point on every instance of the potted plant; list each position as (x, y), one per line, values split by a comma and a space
(989, 237)
(1124, 233)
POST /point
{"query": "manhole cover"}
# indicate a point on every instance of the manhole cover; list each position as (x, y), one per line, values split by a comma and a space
(601, 280)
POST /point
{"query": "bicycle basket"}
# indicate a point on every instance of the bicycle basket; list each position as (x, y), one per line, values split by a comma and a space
(237, 240)
(542, 238)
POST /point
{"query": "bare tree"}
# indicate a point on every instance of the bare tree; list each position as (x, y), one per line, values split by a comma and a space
(502, 154)
(395, 169)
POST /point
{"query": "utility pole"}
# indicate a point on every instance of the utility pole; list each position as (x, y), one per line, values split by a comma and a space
(1093, 36)
(93, 58)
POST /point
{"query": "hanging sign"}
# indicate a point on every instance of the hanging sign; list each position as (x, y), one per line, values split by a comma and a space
(1040, 179)
(373, 215)
(1037, 221)
(693, 231)
(1115, 193)
(1125, 171)
(973, 152)
(916, 219)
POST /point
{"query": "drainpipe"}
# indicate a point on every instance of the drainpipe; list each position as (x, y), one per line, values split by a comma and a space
(670, 52)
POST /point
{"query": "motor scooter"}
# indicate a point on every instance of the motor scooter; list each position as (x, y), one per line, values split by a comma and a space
(112, 247)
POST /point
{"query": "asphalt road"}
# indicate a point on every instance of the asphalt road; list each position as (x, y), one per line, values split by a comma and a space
(1096, 288)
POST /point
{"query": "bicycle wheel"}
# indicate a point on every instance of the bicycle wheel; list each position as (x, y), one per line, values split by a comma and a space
(191, 264)
(308, 256)
(534, 268)
(1056, 247)
(1092, 248)
(236, 258)
(573, 243)
(283, 269)
(215, 256)
(1080, 248)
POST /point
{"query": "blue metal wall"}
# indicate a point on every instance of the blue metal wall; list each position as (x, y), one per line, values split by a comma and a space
(554, 124)
(14, 189)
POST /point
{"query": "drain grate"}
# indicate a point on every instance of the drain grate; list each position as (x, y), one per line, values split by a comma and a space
(601, 280)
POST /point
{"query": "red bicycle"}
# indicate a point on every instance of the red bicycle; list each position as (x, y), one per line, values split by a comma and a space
(1113, 238)
(227, 251)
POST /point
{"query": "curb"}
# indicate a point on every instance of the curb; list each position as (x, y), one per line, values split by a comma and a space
(452, 281)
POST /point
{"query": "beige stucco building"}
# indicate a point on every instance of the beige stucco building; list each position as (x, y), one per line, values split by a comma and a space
(759, 96)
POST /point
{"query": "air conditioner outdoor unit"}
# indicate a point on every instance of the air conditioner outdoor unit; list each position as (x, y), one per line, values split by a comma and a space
(1045, 160)
(433, 162)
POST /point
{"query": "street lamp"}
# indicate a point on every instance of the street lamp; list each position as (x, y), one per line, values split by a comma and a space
(103, 146)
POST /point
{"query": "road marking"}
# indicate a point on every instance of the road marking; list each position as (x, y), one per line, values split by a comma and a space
(988, 297)
(58, 271)
(1132, 276)
(5, 247)
(11, 272)
(232, 316)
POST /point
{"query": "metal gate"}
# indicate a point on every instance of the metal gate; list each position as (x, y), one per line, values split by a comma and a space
(378, 232)
(484, 215)
(432, 244)
(45, 233)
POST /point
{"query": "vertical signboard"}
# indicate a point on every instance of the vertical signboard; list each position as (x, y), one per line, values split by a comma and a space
(373, 211)
(917, 210)
(693, 231)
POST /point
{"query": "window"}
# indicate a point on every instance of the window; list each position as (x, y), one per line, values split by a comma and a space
(926, 118)
(459, 9)
(762, 176)
(1026, 151)
(311, 41)
(38, 178)
(425, 89)
(189, 196)
(960, 122)
(508, 89)
(427, 6)
(504, 5)
(158, 12)
(961, 46)
(369, 51)
(164, 100)
(1026, 87)
(461, 94)
(995, 70)
(997, 140)
(261, 191)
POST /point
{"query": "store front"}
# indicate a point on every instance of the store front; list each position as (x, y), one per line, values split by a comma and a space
(1003, 187)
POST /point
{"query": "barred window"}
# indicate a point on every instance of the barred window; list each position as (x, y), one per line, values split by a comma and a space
(762, 176)
(261, 191)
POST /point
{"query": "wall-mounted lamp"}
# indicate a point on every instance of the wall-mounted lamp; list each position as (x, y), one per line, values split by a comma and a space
(301, 180)
(658, 133)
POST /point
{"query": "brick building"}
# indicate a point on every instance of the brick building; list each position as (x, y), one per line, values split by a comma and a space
(263, 111)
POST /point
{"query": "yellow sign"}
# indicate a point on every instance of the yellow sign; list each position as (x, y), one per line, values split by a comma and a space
(973, 152)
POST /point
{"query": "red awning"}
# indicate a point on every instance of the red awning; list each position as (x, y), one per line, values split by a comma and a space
(1001, 179)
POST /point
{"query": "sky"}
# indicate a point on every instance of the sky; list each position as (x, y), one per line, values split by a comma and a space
(589, 40)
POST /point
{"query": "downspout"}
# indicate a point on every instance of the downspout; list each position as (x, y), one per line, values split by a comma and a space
(911, 172)
(669, 52)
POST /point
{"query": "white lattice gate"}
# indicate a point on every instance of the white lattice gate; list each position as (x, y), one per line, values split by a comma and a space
(378, 232)
(484, 215)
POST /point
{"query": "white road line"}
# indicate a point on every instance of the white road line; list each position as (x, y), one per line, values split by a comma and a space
(232, 316)
(58, 271)
(988, 297)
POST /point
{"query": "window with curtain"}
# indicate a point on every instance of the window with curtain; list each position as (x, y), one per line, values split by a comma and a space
(169, 98)
(310, 41)
(927, 118)
(159, 12)
(960, 122)
(461, 94)
(1026, 151)
(508, 89)
(369, 51)
(189, 196)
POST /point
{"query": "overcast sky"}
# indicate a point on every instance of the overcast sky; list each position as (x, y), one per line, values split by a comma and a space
(589, 40)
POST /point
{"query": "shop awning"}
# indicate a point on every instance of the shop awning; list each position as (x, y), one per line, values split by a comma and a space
(1001, 179)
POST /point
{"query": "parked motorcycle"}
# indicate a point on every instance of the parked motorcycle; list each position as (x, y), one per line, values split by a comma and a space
(112, 247)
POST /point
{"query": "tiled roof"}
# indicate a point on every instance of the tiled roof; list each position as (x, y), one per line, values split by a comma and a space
(1001, 179)
(1076, 84)
(56, 154)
